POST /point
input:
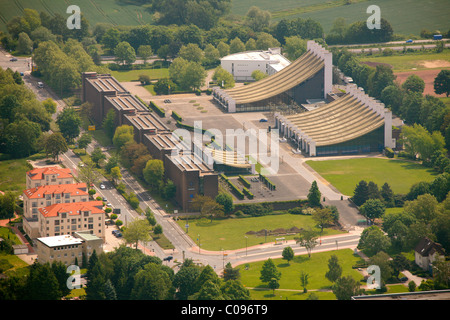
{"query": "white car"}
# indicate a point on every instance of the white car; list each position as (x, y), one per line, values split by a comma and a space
(102, 186)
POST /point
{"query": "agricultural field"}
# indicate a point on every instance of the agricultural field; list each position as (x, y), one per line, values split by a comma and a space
(346, 174)
(406, 16)
(109, 11)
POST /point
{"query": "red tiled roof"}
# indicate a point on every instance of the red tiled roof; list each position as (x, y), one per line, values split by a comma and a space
(74, 208)
(38, 173)
(74, 189)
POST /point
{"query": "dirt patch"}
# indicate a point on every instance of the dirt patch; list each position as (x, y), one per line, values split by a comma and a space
(428, 77)
(430, 64)
(276, 232)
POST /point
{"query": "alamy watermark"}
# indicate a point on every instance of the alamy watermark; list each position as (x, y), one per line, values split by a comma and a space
(74, 280)
(374, 279)
(74, 21)
(374, 21)
(252, 145)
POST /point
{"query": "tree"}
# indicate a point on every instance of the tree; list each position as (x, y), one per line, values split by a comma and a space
(236, 45)
(88, 174)
(373, 209)
(373, 240)
(288, 254)
(414, 83)
(304, 280)
(137, 230)
(125, 53)
(191, 52)
(169, 190)
(308, 239)
(345, 288)
(269, 271)
(116, 175)
(314, 195)
(154, 173)
(257, 19)
(7, 205)
(223, 78)
(206, 206)
(49, 105)
(24, 44)
(42, 284)
(382, 78)
(185, 278)
(84, 141)
(334, 269)
(259, 75)
(224, 49)
(273, 284)
(123, 135)
(388, 195)
(55, 144)
(382, 260)
(145, 52)
(424, 208)
(21, 138)
(69, 123)
(442, 83)
(323, 217)
(97, 156)
(265, 41)
(361, 193)
(151, 283)
(234, 290)
(226, 200)
(230, 273)
(294, 47)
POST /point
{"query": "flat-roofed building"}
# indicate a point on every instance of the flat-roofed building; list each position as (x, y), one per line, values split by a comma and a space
(160, 145)
(241, 65)
(145, 123)
(68, 218)
(68, 249)
(123, 104)
(47, 176)
(97, 86)
(192, 177)
(47, 195)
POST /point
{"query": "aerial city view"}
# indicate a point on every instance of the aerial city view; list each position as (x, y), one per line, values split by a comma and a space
(240, 151)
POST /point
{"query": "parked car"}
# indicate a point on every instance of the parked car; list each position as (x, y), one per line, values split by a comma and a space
(40, 85)
(409, 41)
(13, 59)
(263, 120)
(102, 186)
(168, 258)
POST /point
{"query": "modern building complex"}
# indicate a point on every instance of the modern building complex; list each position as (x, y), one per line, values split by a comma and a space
(241, 65)
(191, 177)
(351, 124)
(68, 249)
(309, 77)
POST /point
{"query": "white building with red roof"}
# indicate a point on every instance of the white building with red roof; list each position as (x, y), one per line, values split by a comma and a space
(48, 176)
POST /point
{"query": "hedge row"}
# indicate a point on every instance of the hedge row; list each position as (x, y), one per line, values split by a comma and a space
(176, 116)
(268, 183)
(237, 192)
(248, 193)
(157, 109)
(244, 181)
(191, 128)
(274, 205)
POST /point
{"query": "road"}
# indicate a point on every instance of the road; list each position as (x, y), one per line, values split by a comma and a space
(185, 247)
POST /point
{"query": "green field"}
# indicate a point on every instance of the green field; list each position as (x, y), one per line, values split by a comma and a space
(133, 75)
(315, 267)
(345, 174)
(409, 61)
(109, 11)
(229, 234)
(12, 175)
(406, 16)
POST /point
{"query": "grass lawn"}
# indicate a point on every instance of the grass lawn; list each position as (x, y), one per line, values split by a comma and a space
(133, 75)
(315, 267)
(6, 233)
(267, 294)
(346, 174)
(229, 234)
(408, 61)
(12, 175)
(16, 265)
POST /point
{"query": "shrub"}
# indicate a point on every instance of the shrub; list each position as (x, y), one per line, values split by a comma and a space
(244, 181)
(157, 109)
(176, 116)
(389, 152)
(248, 193)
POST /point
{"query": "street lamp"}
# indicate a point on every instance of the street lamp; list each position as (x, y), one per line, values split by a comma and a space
(246, 245)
